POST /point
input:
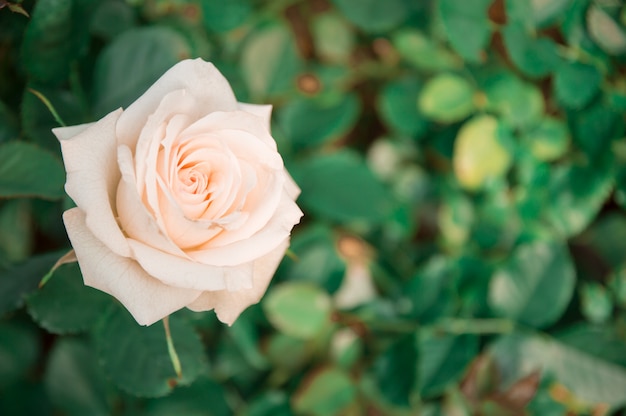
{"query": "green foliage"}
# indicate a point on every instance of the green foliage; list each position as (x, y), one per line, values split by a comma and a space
(463, 175)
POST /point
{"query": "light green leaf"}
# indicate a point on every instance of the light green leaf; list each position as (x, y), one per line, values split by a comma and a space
(596, 303)
(447, 98)
(609, 343)
(326, 392)
(467, 26)
(605, 31)
(549, 140)
(65, 305)
(535, 285)
(299, 310)
(73, 380)
(334, 38)
(132, 62)
(270, 61)
(589, 378)
(546, 11)
(519, 103)
(136, 357)
(479, 155)
(423, 53)
(28, 171)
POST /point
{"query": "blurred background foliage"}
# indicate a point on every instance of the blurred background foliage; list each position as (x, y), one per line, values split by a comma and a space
(463, 175)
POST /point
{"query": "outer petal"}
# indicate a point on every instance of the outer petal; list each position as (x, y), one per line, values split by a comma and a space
(146, 298)
(259, 110)
(92, 176)
(201, 79)
(229, 305)
(182, 272)
(66, 133)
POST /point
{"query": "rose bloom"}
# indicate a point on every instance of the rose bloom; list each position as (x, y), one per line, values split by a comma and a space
(182, 199)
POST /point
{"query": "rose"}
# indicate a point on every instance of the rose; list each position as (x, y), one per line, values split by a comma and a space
(182, 199)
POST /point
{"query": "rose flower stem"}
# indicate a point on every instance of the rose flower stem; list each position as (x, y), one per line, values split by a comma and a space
(48, 104)
(170, 348)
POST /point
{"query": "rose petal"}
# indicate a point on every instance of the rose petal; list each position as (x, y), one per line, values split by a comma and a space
(134, 218)
(291, 187)
(229, 305)
(182, 272)
(146, 298)
(66, 133)
(201, 79)
(92, 177)
(267, 239)
(259, 110)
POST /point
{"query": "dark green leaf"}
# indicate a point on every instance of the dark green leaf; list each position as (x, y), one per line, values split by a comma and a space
(65, 304)
(396, 105)
(549, 140)
(608, 342)
(535, 286)
(19, 350)
(589, 378)
(73, 380)
(136, 357)
(443, 360)
(595, 128)
(219, 16)
(203, 398)
(22, 279)
(575, 84)
(28, 171)
(596, 304)
(372, 15)
(111, 18)
(396, 370)
(308, 123)
(519, 103)
(273, 403)
(134, 61)
(16, 240)
(340, 187)
(535, 57)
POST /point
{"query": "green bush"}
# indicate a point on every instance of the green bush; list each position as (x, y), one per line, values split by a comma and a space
(463, 175)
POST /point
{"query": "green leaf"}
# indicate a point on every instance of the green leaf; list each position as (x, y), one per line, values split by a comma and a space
(605, 31)
(8, 124)
(300, 310)
(16, 239)
(596, 303)
(575, 83)
(308, 122)
(595, 128)
(429, 290)
(318, 261)
(447, 98)
(203, 398)
(28, 171)
(22, 279)
(549, 140)
(467, 26)
(270, 61)
(479, 156)
(334, 38)
(111, 18)
(73, 379)
(65, 304)
(326, 392)
(272, 403)
(443, 360)
(546, 11)
(54, 38)
(136, 357)
(132, 62)
(341, 187)
(535, 285)
(519, 103)
(420, 51)
(19, 351)
(372, 15)
(219, 16)
(589, 378)
(576, 196)
(396, 106)
(396, 370)
(534, 57)
(608, 343)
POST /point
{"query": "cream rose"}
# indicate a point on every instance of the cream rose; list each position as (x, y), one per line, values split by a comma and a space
(182, 200)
